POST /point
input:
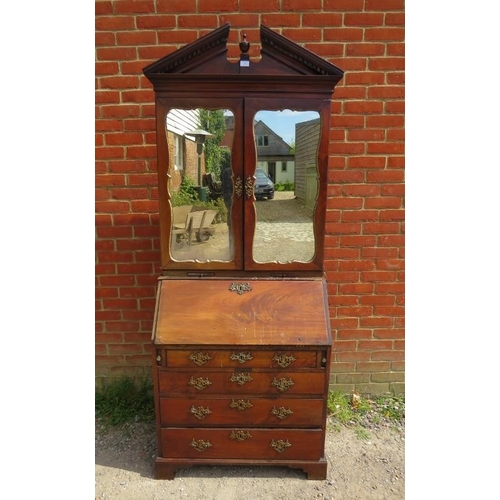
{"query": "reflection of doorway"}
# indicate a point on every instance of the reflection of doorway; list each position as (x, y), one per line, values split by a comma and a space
(271, 170)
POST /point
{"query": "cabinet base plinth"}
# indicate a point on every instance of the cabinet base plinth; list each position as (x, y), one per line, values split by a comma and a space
(165, 468)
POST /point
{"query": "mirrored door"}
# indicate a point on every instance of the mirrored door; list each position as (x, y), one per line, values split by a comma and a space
(200, 184)
(286, 185)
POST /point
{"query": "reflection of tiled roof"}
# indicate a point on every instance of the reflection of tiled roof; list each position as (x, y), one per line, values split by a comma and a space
(261, 124)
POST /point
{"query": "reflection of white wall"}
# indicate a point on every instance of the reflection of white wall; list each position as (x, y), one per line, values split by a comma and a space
(181, 121)
(285, 176)
(281, 176)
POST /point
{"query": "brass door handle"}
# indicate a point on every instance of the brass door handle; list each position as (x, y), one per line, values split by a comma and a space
(249, 187)
(238, 187)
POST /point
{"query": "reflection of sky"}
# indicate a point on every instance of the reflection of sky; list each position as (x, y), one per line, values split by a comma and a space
(283, 122)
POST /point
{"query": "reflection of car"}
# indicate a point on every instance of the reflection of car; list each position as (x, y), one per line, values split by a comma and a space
(264, 186)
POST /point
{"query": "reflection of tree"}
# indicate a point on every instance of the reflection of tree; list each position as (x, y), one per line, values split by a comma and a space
(213, 121)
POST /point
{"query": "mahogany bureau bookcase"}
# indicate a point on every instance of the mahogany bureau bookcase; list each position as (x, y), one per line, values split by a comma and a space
(241, 336)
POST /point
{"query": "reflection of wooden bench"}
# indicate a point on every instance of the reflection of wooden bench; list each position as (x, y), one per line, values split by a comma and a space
(191, 222)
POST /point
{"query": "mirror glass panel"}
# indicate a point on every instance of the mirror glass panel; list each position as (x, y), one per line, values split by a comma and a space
(286, 185)
(200, 183)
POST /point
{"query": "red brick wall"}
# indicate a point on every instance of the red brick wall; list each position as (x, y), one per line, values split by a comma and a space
(365, 220)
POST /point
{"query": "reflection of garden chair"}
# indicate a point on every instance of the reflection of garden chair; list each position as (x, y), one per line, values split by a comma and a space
(214, 186)
(197, 222)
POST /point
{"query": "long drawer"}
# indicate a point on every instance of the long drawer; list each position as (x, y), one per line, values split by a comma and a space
(242, 358)
(249, 443)
(241, 382)
(255, 412)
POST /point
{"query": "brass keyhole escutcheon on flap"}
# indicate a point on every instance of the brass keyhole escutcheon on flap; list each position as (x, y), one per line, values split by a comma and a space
(283, 384)
(240, 435)
(241, 357)
(199, 358)
(284, 360)
(200, 445)
(241, 378)
(281, 412)
(280, 446)
(240, 405)
(200, 413)
(240, 288)
(200, 383)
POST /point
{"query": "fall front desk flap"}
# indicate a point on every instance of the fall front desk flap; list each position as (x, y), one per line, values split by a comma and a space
(241, 312)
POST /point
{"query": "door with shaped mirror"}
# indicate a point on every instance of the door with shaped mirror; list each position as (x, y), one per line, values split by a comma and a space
(242, 182)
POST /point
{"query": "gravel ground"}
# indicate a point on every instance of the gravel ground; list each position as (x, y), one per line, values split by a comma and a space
(366, 468)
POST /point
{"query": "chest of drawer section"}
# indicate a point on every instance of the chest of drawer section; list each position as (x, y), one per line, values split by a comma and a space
(229, 387)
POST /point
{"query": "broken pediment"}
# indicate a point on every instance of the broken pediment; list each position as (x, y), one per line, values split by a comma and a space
(208, 56)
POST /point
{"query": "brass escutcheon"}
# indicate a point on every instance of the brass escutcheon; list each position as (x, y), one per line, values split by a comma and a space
(240, 435)
(280, 446)
(241, 357)
(282, 384)
(200, 358)
(241, 378)
(200, 412)
(240, 405)
(200, 445)
(200, 383)
(284, 360)
(281, 412)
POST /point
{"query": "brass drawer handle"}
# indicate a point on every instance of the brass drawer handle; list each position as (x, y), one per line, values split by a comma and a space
(241, 357)
(281, 412)
(240, 405)
(284, 360)
(200, 358)
(200, 413)
(200, 383)
(240, 435)
(241, 378)
(280, 446)
(282, 384)
(200, 445)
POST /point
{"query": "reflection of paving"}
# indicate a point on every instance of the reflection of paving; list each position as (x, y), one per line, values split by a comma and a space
(283, 233)
(294, 231)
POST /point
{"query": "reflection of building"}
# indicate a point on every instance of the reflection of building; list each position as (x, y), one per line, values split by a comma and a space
(183, 156)
(274, 155)
(306, 156)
